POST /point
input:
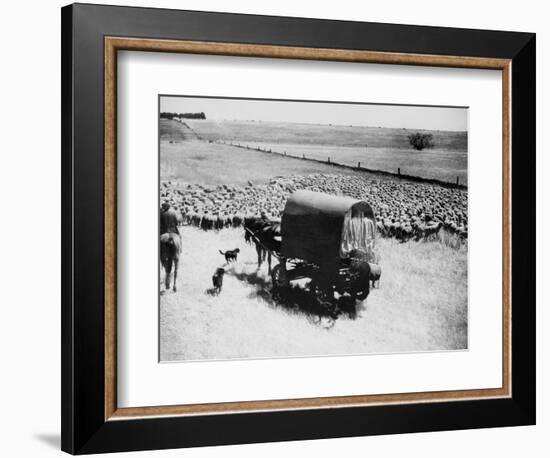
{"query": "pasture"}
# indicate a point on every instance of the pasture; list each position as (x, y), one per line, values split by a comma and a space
(319, 134)
(204, 163)
(375, 148)
(406, 313)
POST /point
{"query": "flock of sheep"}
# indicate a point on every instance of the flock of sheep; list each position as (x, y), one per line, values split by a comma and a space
(404, 210)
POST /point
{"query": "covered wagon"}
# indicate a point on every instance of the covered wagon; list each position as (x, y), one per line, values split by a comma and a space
(330, 240)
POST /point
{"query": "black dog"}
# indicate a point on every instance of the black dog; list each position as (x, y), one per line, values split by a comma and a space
(230, 255)
(217, 280)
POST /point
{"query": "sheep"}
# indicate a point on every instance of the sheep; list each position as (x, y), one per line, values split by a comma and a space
(375, 274)
(404, 210)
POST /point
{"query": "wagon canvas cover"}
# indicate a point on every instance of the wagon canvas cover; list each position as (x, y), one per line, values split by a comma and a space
(321, 228)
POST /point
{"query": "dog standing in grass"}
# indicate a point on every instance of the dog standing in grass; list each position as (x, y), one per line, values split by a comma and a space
(217, 280)
(230, 255)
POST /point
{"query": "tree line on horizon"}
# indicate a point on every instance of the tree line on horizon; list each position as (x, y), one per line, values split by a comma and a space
(168, 115)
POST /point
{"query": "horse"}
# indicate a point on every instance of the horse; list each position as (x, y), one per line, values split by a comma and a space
(266, 237)
(170, 248)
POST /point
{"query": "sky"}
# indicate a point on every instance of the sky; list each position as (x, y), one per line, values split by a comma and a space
(375, 115)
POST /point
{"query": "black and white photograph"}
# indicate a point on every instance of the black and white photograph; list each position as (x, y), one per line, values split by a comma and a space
(311, 228)
(275, 229)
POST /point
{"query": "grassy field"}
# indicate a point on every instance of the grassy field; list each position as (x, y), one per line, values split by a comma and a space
(375, 148)
(406, 313)
(200, 162)
(430, 163)
(315, 134)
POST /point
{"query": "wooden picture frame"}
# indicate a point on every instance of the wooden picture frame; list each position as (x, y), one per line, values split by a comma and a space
(91, 419)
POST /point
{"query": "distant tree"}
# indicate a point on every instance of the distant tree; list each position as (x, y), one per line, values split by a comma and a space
(420, 141)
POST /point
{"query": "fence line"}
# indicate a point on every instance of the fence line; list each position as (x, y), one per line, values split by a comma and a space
(446, 184)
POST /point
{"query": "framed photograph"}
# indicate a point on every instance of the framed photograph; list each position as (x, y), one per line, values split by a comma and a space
(284, 228)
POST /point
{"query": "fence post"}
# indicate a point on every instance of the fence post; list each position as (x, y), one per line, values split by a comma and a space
(398, 171)
(328, 160)
(303, 156)
(358, 165)
(457, 180)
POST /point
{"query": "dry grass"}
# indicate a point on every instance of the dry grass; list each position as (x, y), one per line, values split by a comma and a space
(322, 134)
(421, 305)
(206, 163)
(375, 148)
(429, 163)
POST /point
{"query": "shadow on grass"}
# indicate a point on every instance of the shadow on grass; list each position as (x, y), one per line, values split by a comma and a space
(296, 299)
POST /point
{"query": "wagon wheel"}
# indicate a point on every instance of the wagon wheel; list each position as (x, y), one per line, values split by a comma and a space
(348, 304)
(327, 305)
(324, 295)
(279, 281)
(361, 293)
(357, 289)
(360, 287)
(279, 276)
